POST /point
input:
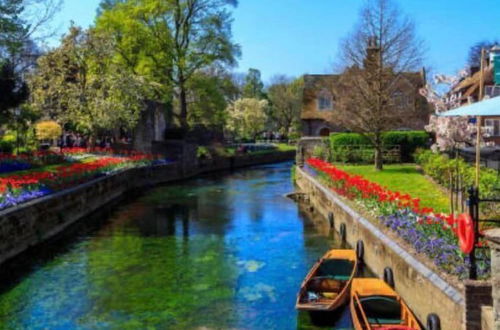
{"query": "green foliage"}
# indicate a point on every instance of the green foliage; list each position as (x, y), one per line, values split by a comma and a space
(79, 83)
(203, 152)
(321, 152)
(12, 29)
(440, 167)
(247, 117)
(285, 98)
(357, 148)
(13, 90)
(408, 141)
(208, 92)
(48, 130)
(254, 87)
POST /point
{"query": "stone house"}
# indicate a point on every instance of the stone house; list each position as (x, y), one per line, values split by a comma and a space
(319, 115)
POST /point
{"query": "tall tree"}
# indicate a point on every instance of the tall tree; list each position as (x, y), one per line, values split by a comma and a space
(190, 35)
(12, 28)
(13, 90)
(247, 117)
(201, 34)
(474, 57)
(254, 87)
(376, 55)
(209, 93)
(285, 96)
(79, 83)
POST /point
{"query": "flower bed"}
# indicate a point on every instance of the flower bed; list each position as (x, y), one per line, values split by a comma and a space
(19, 188)
(430, 233)
(14, 163)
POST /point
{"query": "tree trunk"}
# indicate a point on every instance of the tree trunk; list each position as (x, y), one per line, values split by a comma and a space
(379, 161)
(379, 164)
(183, 105)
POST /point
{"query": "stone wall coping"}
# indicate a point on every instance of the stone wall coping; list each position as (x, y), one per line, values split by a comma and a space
(5, 212)
(433, 277)
(493, 235)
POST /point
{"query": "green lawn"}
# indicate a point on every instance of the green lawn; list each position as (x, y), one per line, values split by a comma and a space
(406, 179)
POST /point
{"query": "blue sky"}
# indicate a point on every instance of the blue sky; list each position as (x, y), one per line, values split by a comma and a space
(294, 37)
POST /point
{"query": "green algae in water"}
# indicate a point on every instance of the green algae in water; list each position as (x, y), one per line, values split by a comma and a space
(217, 253)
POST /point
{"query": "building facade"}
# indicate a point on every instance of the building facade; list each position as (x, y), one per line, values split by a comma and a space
(320, 116)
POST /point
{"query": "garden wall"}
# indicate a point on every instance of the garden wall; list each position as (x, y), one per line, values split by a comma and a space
(31, 223)
(425, 289)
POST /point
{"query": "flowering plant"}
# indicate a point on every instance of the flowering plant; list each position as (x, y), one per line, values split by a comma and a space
(430, 233)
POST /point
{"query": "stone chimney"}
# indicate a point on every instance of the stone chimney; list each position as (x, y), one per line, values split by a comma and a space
(372, 53)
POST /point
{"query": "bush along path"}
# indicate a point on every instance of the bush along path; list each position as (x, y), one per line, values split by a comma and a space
(17, 188)
(430, 233)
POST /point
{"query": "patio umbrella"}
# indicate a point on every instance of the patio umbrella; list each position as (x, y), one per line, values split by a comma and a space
(488, 107)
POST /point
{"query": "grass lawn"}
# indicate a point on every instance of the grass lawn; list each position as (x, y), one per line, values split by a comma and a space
(286, 147)
(406, 179)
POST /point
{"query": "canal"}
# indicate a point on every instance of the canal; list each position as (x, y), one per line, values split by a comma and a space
(225, 251)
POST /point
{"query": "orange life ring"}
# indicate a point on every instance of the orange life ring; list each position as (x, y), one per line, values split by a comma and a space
(465, 232)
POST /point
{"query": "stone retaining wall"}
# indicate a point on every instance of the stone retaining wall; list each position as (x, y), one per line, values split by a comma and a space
(31, 223)
(424, 289)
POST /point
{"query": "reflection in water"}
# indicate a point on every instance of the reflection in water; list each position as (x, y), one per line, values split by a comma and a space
(219, 252)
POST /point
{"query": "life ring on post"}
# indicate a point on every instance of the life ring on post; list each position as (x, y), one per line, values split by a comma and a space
(466, 233)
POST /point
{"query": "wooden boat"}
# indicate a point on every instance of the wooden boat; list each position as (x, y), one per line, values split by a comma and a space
(326, 287)
(375, 305)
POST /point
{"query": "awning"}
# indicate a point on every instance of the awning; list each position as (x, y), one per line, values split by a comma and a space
(489, 107)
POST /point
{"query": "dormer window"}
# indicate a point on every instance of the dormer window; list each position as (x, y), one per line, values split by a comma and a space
(325, 101)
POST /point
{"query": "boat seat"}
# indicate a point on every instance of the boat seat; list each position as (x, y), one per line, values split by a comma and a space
(382, 310)
(329, 295)
(324, 284)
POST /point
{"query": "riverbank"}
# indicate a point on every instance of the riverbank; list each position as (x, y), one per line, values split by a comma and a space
(424, 288)
(31, 223)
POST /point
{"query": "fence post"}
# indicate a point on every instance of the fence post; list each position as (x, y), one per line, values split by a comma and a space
(474, 213)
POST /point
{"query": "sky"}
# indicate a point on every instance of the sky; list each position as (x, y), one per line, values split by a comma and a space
(294, 37)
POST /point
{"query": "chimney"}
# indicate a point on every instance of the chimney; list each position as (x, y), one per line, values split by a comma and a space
(372, 53)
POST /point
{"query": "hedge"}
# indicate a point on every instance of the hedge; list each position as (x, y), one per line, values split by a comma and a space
(408, 141)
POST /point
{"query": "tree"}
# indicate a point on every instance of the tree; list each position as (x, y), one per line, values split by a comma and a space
(382, 47)
(12, 27)
(474, 58)
(201, 35)
(209, 92)
(285, 97)
(247, 117)
(13, 90)
(254, 87)
(79, 83)
(190, 34)
(48, 130)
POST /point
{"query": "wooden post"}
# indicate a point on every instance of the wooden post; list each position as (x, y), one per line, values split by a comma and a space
(478, 119)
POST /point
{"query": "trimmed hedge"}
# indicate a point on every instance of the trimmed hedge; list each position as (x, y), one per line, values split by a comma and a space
(408, 141)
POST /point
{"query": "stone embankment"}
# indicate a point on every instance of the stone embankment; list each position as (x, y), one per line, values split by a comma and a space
(426, 289)
(29, 224)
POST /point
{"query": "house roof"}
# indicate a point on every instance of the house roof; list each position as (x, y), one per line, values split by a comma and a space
(489, 107)
(470, 85)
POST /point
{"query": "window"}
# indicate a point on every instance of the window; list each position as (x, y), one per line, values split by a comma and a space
(400, 100)
(325, 101)
(492, 126)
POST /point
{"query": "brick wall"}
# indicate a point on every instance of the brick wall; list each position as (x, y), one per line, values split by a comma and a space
(476, 294)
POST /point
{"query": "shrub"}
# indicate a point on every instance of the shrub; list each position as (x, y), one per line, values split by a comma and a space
(408, 141)
(356, 148)
(48, 130)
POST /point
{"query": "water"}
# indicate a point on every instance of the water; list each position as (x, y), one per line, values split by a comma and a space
(227, 251)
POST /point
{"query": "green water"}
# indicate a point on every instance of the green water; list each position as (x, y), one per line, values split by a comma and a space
(227, 251)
